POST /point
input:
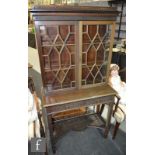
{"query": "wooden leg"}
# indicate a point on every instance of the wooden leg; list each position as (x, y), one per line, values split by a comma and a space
(101, 109)
(41, 125)
(51, 128)
(115, 130)
(110, 107)
(97, 108)
(48, 132)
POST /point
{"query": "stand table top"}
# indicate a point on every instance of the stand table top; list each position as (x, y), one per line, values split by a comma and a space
(78, 95)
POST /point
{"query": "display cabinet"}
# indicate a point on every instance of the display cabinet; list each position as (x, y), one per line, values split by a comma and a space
(75, 47)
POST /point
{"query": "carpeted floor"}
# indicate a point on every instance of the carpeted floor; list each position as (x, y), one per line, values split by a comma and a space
(91, 142)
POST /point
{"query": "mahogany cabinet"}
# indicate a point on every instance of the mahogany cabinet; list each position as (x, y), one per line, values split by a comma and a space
(75, 48)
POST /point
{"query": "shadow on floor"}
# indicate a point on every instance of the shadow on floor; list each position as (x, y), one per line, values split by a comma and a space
(120, 139)
(91, 142)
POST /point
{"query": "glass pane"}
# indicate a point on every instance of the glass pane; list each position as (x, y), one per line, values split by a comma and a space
(70, 39)
(46, 50)
(95, 52)
(92, 31)
(63, 31)
(49, 77)
(46, 62)
(58, 52)
(100, 55)
(91, 56)
(86, 38)
(72, 28)
(54, 59)
(65, 58)
(85, 72)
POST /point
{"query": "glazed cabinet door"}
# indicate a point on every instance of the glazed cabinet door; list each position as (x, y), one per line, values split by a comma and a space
(74, 54)
(96, 48)
(57, 51)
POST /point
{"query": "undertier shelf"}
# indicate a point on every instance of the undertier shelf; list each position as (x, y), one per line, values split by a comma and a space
(77, 124)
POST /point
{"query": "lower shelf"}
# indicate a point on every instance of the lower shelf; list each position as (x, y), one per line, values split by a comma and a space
(77, 124)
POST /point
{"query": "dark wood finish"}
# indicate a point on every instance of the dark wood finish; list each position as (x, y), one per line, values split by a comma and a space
(75, 47)
(53, 99)
(117, 123)
(73, 13)
(49, 138)
(108, 119)
(69, 113)
(116, 106)
(80, 103)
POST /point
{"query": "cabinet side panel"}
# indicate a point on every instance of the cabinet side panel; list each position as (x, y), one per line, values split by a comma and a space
(38, 44)
(112, 29)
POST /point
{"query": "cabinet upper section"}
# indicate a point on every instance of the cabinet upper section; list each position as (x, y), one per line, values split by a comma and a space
(74, 44)
(76, 13)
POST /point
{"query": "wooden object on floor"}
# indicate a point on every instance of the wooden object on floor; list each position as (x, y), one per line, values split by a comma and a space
(69, 113)
(75, 48)
(115, 130)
